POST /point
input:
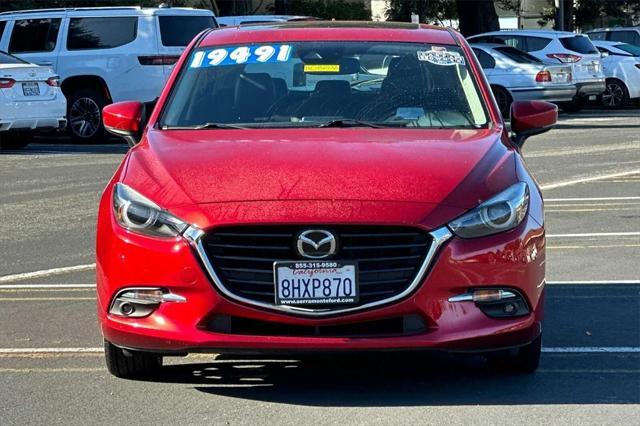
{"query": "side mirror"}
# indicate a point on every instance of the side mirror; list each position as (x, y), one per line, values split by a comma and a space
(530, 118)
(124, 119)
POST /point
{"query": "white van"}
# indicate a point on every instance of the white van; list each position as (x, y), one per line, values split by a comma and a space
(104, 54)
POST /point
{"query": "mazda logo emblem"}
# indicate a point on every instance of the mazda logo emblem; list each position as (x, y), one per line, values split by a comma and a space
(316, 244)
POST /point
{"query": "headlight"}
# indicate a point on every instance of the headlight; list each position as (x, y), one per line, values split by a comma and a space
(139, 214)
(503, 212)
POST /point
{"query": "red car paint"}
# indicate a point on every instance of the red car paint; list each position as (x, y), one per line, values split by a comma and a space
(422, 178)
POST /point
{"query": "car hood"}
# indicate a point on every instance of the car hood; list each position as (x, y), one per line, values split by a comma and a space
(443, 167)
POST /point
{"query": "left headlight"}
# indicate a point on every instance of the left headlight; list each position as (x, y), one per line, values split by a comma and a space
(500, 213)
(139, 214)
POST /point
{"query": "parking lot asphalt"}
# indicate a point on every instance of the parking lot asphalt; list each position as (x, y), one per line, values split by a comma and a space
(52, 370)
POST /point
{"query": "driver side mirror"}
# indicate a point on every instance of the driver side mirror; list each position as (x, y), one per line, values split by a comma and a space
(530, 118)
(125, 119)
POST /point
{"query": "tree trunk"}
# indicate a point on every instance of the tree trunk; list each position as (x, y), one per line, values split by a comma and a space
(477, 16)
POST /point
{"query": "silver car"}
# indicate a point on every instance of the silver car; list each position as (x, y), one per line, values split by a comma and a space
(515, 75)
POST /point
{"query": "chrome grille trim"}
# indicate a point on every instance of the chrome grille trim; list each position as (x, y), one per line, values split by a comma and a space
(439, 237)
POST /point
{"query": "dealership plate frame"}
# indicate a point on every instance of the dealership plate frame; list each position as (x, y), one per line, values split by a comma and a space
(439, 237)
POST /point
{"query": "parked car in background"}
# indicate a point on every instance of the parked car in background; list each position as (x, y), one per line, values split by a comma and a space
(621, 64)
(629, 35)
(516, 75)
(558, 47)
(30, 99)
(103, 55)
(231, 21)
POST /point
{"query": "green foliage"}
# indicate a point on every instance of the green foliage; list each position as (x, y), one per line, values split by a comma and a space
(330, 9)
(433, 11)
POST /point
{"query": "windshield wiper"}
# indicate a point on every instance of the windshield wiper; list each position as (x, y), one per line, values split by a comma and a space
(205, 126)
(347, 122)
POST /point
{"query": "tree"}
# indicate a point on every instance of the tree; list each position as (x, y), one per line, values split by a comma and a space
(477, 16)
(427, 10)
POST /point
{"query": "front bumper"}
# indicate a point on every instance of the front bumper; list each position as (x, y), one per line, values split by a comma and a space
(513, 259)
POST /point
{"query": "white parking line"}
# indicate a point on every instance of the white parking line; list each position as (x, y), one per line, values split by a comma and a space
(46, 273)
(43, 286)
(595, 234)
(97, 349)
(552, 200)
(588, 179)
(601, 282)
(593, 349)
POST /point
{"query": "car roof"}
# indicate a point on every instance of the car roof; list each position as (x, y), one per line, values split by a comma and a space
(106, 11)
(329, 31)
(487, 45)
(533, 33)
(599, 30)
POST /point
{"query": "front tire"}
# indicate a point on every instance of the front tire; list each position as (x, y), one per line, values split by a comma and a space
(13, 140)
(504, 100)
(615, 95)
(527, 358)
(127, 364)
(84, 115)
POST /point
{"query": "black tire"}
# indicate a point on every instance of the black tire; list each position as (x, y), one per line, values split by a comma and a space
(84, 115)
(504, 100)
(576, 105)
(14, 140)
(131, 364)
(615, 95)
(527, 358)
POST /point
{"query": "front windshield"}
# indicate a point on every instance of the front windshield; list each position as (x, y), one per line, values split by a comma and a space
(315, 84)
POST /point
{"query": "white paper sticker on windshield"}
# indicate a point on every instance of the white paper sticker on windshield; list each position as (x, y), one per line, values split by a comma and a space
(440, 56)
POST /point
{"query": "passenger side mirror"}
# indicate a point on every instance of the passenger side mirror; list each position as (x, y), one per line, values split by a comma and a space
(530, 118)
(125, 119)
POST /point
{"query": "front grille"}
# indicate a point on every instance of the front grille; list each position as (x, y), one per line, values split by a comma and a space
(388, 257)
(406, 325)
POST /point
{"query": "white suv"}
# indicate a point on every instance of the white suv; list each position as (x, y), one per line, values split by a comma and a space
(558, 47)
(629, 35)
(103, 55)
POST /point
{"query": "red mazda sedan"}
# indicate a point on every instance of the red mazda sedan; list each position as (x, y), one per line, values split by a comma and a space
(322, 186)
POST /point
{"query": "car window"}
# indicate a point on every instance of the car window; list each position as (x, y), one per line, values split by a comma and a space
(101, 33)
(9, 59)
(625, 37)
(310, 84)
(632, 49)
(598, 36)
(580, 44)
(2, 25)
(34, 35)
(179, 30)
(518, 55)
(486, 61)
(513, 41)
(537, 43)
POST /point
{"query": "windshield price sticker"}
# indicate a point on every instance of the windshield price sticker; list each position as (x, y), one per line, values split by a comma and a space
(440, 56)
(237, 55)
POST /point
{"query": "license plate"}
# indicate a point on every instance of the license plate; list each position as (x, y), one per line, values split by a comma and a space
(30, 89)
(315, 283)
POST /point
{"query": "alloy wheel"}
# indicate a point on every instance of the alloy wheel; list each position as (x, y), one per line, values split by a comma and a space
(613, 96)
(84, 117)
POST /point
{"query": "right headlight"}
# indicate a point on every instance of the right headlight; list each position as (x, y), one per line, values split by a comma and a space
(139, 214)
(500, 213)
